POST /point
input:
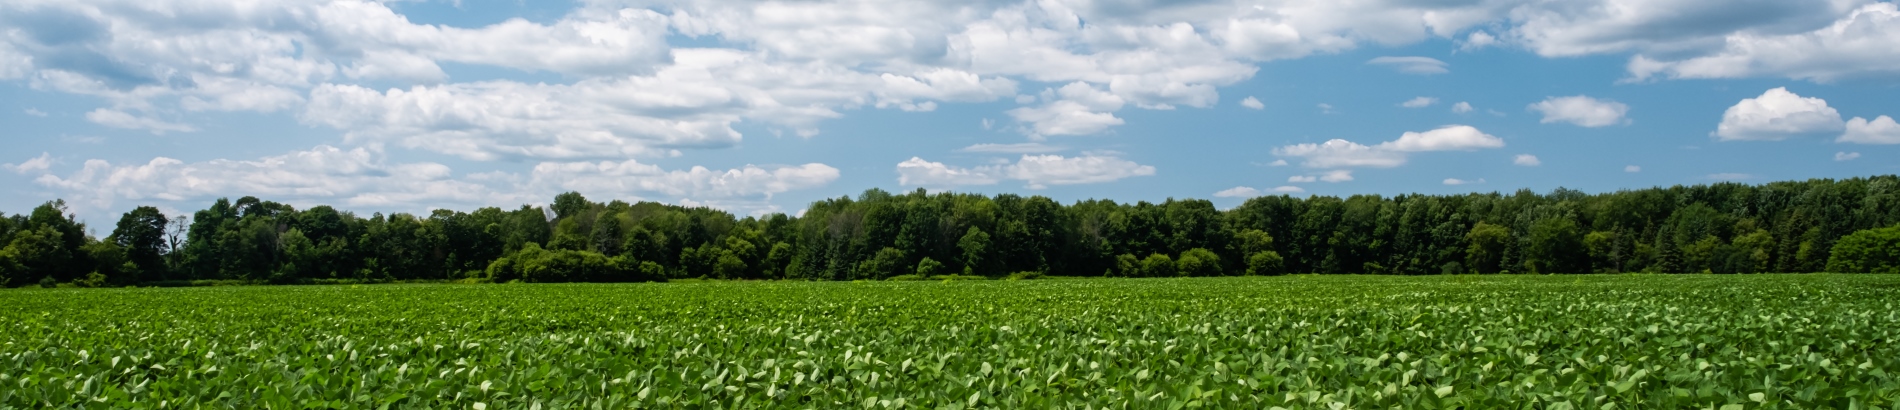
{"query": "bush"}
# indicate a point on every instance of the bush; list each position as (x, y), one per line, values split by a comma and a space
(1867, 251)
(49, 283)
(928, 267)
(1266, 263)
(92, 280)
(907, 277)
(1198, 262)
(1157, 266)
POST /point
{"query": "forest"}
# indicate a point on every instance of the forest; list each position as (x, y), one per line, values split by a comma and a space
(1794, 226)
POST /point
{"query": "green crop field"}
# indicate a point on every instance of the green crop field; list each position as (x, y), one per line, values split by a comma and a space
(1592, 341)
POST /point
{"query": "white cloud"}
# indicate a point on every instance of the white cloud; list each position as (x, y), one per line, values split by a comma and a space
(918, 172)
(120, 119)
(1420, 102)
(1253, 103)
(630, 178)
(1477, 40)
(1658, 27)
(1776, 115)
(1863, 42)
(1325, 108)
(1237, 192)
(1075, 109)
(1036, 171)
(1527, 160)
(1846, 156)
(1882, 130)
(1456, 181)
(1040, 171)
(1277, 163)
(364, 177)
(357, 177)
(35, 112)
(1412, 65)
(1446, 138)
(1632, 169)
(36, 164)
(1302, 178)
(1338, 175)
(1339, 153)
(1582, 111)
(1461, 107)
(1018, 148)
(1288, 189)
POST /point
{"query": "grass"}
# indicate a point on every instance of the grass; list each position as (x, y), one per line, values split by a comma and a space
(1595, 341)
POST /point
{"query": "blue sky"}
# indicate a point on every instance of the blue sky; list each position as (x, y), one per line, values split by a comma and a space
(759, 107)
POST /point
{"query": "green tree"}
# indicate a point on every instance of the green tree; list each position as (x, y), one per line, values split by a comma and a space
(1867, 251)
(975, 246)
(886, 263)
(141, 233)
(31, 254)
(1556, 246)
(1487, 244)
(569, 204)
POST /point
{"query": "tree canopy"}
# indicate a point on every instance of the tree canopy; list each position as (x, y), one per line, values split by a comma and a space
(1795, 226)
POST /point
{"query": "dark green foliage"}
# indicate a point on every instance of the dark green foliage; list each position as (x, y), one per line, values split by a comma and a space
(1867, 251)
(1720, 228)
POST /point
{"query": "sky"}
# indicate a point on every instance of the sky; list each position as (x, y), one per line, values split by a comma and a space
(761, 107)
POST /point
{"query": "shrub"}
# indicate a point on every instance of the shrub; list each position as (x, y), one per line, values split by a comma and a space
(1266, 263)
(1198, 262)
(1157, 266)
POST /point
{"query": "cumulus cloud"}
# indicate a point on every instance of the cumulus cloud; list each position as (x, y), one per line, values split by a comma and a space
(1339, 153)
(365, 177)
(35, 112)
(35, 164)
(1338, 175)
(1253, 103)
(356, 176)
(120, 119)
(1075, 109)
(631, 178)
(1288, 189)
(1846, 156)
(1412, 65)
(1632, 169)
(1461, 107)
(1863, 42)
(1302, 178)
(1582, 111)
(1776, 115)
(1036, 171)
(1419, 102)
(1456, 181)
(1018, 148)
(1527, 160)
(1237, 192)
(1882, 130)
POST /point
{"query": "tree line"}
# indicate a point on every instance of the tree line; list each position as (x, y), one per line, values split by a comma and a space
(1795, 226)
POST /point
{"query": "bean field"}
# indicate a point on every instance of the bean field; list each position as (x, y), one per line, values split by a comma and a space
(1332, 342)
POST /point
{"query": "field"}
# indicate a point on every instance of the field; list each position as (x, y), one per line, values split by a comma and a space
(1592, 341)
